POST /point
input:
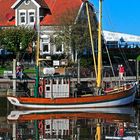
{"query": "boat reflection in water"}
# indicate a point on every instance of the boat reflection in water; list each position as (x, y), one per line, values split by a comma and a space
(100, 124)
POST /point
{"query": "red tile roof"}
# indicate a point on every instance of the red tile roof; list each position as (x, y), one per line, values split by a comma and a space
(6, 13)
(60, 9)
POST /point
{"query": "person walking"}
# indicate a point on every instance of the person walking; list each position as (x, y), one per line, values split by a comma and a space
(19, 71)
(121, 72)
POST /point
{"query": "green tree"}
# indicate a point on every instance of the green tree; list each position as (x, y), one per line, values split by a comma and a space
(74, 31)
(17, 39)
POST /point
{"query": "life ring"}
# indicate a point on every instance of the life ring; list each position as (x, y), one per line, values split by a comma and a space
(40, 125)
(40, 90)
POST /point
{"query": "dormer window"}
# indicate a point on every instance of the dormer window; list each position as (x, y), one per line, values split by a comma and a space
(22, 17)
(31, 16)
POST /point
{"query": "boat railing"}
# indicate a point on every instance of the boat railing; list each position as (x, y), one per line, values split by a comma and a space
(118, 89)
(18, 93)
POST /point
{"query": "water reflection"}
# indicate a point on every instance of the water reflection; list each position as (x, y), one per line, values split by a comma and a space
(110, 123)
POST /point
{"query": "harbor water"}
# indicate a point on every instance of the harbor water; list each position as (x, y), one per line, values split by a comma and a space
(88, 124)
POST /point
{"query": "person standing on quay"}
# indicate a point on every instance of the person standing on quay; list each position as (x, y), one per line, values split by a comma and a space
(121, 72)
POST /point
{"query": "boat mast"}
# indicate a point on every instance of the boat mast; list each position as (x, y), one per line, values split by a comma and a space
(99, 74)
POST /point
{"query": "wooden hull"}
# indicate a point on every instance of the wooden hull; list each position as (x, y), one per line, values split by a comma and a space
(111, 99)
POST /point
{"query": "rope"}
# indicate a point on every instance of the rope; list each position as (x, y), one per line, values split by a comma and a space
(121, 51)
(110, 61)
(126, 62)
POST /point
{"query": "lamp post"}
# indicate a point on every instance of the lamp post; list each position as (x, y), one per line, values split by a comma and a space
(137, 71)
(37, 58)
(37, 66)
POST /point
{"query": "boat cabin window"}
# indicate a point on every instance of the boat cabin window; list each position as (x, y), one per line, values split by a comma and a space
(47, 81)
(54, 132)
(65, 81)
(59, 81)
(54, 81)
(47, 88)
(59, 132)
(47, 126)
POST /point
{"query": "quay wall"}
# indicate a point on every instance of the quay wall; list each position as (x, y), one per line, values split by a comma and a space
(6, 85)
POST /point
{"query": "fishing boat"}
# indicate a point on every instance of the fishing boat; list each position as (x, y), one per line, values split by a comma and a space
(56, 89)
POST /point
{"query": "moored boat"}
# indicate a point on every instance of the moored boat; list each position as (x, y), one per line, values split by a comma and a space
(117, 97)
(57, 95)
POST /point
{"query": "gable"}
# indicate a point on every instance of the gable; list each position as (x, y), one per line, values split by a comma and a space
(59, 9)
(18, 2)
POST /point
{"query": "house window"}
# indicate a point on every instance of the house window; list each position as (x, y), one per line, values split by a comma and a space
(31, 16)
(58, 46)
(22, 17)
(45, 47)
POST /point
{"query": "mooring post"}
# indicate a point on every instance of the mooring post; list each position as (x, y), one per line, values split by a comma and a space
(14, 131)
(14, 77)
(137, 75)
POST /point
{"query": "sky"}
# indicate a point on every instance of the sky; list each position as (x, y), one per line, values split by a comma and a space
(120, 15)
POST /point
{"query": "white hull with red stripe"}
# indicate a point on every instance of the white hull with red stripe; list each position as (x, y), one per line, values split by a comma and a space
(119, 98)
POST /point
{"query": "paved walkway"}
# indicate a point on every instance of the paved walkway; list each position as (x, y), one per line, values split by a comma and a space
(128, 78)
